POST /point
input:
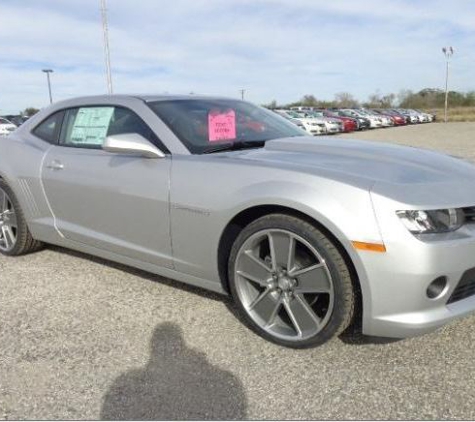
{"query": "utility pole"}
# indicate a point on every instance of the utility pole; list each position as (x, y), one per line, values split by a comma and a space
(448, 52)
(48, 71)
(107, 57)
(242, 91)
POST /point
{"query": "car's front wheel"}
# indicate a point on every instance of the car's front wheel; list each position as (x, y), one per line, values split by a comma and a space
(290, 283)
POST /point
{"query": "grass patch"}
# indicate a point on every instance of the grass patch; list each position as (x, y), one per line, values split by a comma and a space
(455, 114)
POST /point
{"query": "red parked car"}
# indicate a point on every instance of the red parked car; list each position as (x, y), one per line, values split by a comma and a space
(349, 124)
(396, 118)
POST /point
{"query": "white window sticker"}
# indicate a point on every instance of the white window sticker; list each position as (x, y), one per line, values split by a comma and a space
(91, 125)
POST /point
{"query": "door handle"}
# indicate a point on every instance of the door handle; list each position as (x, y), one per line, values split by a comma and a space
(55, 165)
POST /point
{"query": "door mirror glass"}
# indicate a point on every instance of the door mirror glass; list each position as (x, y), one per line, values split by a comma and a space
(131, 144)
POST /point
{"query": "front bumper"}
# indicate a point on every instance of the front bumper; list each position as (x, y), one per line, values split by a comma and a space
(331, 128)
(396, 303)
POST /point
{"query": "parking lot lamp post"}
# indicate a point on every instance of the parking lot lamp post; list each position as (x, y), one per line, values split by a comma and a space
(48, 71)
(448, 52)
(242, 91)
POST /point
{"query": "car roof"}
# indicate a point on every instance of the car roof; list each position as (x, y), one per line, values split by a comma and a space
(148, 97)
(126, 99)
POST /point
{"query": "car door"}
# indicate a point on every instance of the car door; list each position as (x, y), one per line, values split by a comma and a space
(114, 202)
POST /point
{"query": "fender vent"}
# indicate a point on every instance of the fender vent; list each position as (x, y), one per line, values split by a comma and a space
(28, 198)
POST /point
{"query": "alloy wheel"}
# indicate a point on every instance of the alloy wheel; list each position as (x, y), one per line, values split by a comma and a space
(8, 223)
(284, 284)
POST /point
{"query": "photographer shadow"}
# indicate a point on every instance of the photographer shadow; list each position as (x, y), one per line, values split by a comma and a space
(178, 383)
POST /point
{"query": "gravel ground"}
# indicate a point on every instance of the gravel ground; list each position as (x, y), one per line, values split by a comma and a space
(82, 338)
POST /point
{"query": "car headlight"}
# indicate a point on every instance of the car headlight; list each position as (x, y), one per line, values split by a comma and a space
(432, 221)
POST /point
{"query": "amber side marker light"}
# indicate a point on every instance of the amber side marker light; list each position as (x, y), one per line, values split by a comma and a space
(372, 247)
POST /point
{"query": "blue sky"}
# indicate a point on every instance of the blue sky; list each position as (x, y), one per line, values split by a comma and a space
(275, 49)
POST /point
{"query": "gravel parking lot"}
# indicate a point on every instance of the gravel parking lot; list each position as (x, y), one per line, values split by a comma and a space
(82, 338)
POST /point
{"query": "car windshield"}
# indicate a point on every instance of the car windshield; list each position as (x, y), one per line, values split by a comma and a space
(204, 124)
(314, 113)
(293, 114)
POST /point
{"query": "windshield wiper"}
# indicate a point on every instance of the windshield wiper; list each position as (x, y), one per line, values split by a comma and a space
(234, 146)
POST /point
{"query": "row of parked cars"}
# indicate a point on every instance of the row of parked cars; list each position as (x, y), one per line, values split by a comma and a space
(335, 120)
(6, 127)
(9, 123)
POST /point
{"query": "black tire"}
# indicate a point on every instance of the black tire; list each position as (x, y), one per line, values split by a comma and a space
(343, 290)
(24, 241)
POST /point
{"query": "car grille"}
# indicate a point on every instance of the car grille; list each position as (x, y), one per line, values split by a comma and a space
(465, 288)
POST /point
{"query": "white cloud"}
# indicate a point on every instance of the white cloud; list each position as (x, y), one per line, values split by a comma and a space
(273, 48)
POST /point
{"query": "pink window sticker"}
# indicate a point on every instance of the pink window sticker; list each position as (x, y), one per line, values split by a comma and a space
(221, 126)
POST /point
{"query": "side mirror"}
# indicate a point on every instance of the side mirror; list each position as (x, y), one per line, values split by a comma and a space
(131, 144)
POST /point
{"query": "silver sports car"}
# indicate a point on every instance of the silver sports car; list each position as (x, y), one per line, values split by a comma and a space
(307, 235)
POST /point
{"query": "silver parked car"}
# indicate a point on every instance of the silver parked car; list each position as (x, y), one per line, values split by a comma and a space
(305, 234)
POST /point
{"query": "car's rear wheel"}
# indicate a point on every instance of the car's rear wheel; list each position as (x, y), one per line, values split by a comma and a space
(15, 238)
(290, 283)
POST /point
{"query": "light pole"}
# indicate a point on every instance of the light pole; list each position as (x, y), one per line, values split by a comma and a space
(448, 52)
(48, 71)
(242, 91)
(107, 56)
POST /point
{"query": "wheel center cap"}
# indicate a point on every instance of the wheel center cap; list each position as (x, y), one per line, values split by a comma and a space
(285, 283)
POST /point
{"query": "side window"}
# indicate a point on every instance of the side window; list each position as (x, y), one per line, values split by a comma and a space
(48, 130)
(88, 127)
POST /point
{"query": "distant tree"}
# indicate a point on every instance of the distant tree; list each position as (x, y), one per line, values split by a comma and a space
(425, 99)
(345, 99)
(272, 105)
(309, 101)
(29, 111)
(378, 100)
(470, 99)
(403, 95)
(387, 101)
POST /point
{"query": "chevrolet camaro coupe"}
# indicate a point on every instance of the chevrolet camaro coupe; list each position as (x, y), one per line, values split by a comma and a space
(307, 235)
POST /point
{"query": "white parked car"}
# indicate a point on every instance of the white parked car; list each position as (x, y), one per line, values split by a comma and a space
(414, 116)
(424, 117)
(311, 125)
(6, 127)
(374, 121)
(386, 121)
(332, 125)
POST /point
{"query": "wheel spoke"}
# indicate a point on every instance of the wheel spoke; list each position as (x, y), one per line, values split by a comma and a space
(3, 201)
(8, 236)
(282, 249)
(253, 269)
(301, 314)
(12, 220)
(265, 306)
(291, 257)
(313, 279)
(274, 313)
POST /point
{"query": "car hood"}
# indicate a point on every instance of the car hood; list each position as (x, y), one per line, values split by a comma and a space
(332, 119)
(383, 167)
